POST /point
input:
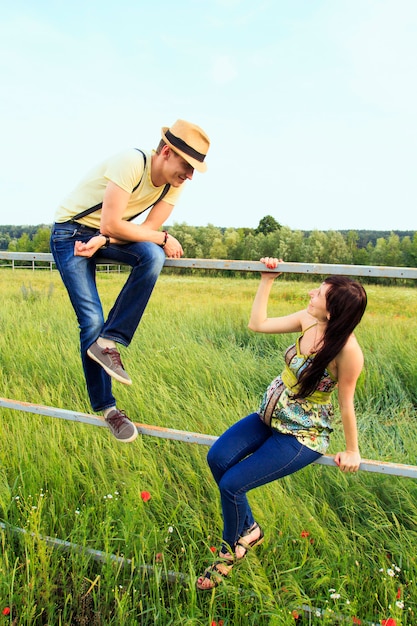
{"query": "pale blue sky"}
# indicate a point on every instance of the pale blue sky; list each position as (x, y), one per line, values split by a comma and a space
(310, 105)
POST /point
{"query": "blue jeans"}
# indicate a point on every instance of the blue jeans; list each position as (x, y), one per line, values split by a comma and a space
(79, 276)
(250, 454)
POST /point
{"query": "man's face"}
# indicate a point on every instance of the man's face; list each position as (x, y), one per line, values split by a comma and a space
(177, 170)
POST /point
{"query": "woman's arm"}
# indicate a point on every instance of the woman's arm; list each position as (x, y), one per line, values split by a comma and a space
(349, 366)
(259, 320)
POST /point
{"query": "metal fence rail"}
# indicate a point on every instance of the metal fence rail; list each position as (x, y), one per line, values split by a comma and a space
(394, 469)
(375, 271)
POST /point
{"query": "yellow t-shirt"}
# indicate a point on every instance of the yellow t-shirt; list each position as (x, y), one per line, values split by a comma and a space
(125, 170)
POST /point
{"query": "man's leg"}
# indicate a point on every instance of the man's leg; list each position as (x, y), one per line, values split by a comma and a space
(146, 260)
(78, 275)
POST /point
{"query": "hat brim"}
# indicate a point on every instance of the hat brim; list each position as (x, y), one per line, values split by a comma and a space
(197, 165)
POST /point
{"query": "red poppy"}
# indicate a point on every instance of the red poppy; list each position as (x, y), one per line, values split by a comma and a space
(295, 614)
(213, 549)
(6, 610)
(356, 620)
(305, 533)
(388, 622)
(145, 495)
(398, 593)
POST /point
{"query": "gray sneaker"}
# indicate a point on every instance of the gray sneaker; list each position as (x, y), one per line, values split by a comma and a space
(110, 361)
(120, 425)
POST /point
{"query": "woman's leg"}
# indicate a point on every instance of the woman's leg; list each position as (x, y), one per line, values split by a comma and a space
(240, 463)
(248, 455)
(235, 444)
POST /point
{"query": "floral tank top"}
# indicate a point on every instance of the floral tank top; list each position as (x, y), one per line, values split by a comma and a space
(308, 419)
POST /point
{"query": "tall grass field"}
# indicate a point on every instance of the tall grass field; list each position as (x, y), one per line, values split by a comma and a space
(339, 548)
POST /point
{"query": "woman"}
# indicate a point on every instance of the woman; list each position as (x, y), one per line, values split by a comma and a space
(293, 425)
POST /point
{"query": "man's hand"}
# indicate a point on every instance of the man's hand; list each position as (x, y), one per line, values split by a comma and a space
(89, 248)
(173, 248)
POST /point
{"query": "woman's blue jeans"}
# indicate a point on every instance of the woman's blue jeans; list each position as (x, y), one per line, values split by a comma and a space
(250, 454)
(79, 276)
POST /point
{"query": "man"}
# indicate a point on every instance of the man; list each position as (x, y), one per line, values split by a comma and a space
(94, 220)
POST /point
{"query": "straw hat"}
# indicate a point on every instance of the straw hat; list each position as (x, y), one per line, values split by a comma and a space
(189, 141)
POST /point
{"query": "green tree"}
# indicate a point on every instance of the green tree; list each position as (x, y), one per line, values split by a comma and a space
(336, 249)
(314, 247)
(41, 240)
(379, 253)
(232, 239)
(409, 250)
(361, 256)
(23, 244)
(253, 247)
(290, 244)
(4, 241)
(352, 240)
(388, 251)
(267, 224)
(218, 249)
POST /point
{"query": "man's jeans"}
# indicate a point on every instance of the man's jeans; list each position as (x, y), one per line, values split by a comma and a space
(79, 277)
(250, 454)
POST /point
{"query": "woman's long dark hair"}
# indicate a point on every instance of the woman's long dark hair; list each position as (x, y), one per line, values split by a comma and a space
(346, 303)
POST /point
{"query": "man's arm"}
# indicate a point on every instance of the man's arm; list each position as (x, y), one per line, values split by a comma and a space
(122, 231)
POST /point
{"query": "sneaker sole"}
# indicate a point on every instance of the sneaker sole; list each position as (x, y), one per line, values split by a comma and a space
(120, 379)
(129, 440)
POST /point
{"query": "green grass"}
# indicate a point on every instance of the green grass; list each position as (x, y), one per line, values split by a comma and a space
(196, 367)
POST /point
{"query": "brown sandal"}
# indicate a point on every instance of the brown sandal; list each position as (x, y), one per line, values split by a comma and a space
(215, 573)
(249, 545)
(222, 568)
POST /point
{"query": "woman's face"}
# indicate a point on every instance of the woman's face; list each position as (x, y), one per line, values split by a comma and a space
(317, 305)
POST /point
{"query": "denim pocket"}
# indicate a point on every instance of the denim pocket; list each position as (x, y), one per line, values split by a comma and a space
(61, 233)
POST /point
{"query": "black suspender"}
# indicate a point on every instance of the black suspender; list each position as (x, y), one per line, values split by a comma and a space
(97, 207)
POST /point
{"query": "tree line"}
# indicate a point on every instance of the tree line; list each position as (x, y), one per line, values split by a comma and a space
(395, 248)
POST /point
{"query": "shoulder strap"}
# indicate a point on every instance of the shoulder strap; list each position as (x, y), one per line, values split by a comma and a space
(161, 197)
(97, 207)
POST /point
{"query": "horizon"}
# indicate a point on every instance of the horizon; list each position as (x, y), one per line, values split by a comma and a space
(397, 231)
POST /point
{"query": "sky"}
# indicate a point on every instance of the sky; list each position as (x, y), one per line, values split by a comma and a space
(310, 105)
